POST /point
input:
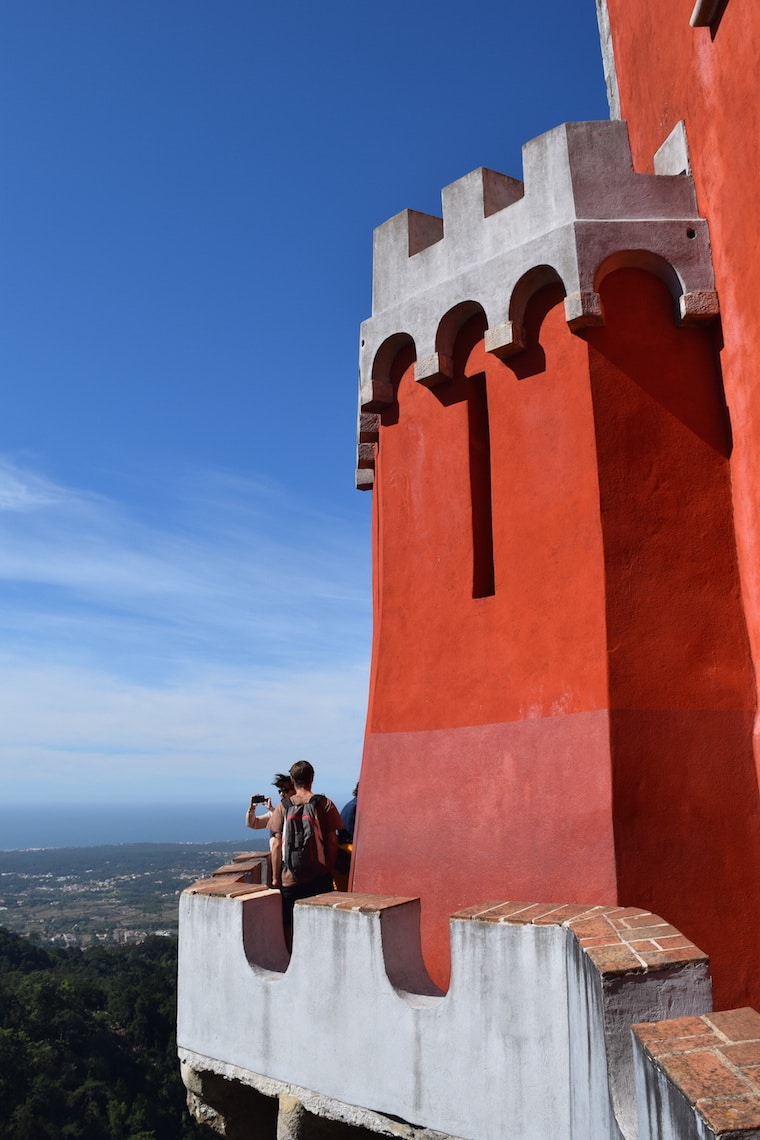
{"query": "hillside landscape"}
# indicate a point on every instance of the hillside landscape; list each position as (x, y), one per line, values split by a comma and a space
(88, 966)
(87, 1043)
(85, 896)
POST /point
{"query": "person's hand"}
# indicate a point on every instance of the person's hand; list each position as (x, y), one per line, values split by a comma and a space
(270, 805)
(275, 883)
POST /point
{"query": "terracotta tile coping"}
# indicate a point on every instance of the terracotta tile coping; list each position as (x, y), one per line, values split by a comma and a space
(238, 867)
(715, 1062)
(365, 904)
(617, 939)
(238, 871)
(224, 887)
(231, 888)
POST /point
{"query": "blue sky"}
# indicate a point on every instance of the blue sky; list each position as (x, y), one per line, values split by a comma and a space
(186, 210)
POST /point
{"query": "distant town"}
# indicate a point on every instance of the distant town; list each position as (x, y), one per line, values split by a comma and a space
(85, 896)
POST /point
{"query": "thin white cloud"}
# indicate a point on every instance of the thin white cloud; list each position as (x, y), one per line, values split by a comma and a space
(134, 654)
(75, 734)
(253, 566)
(24, 490)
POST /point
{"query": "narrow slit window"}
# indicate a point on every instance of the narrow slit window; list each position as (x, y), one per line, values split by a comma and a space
(707, 13)
(483, 585)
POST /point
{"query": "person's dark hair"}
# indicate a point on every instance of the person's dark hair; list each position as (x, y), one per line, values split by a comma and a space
(302, 774)
(282, 781)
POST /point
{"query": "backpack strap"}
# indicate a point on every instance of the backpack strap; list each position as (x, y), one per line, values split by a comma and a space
(319, 803)
(287, 804)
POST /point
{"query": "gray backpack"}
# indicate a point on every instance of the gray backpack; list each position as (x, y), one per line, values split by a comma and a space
(303, 845)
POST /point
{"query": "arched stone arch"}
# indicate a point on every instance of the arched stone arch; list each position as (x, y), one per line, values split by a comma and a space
(651, 263)
(385, 376)
(382, 368)
(691, 306)
(438, 367)
(507, 339)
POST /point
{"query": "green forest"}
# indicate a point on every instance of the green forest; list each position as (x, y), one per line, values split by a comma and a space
(87, 1043)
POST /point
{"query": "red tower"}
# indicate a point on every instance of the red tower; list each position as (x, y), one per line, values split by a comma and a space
(562, 693)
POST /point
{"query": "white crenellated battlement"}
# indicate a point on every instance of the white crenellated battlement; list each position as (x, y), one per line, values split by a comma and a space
(581, 211)
(531, 1040)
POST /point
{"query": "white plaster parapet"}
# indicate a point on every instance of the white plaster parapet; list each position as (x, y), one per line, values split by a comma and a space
(531, 1040)
(581, 212)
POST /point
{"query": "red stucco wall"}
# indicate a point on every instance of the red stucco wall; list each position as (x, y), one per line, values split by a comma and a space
(595, 718)
(687, 828)
(443, 658)
(481, 707)
(555, 741)
(669, 71)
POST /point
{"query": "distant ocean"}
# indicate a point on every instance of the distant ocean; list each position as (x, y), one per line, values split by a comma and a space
(91, 825)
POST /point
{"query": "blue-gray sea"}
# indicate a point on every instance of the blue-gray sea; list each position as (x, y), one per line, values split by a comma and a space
(90, 825)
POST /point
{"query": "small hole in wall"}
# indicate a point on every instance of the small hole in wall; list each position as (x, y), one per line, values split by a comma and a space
(363, 342)
(691, 234)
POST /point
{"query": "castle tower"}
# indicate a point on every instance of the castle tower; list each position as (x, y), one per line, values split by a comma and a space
(562, 694)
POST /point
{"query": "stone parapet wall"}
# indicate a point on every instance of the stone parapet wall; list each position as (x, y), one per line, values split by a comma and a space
(531, 1040)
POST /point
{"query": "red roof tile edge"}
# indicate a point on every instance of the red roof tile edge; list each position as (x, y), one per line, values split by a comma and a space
(714, 1062)
(617, 939)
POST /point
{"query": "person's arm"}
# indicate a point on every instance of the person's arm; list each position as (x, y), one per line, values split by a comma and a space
(255, 822)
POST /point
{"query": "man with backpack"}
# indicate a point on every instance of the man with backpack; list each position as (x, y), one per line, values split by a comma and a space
(304, 826)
